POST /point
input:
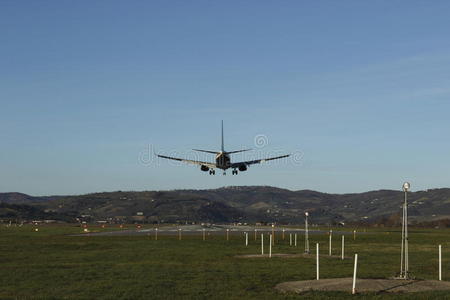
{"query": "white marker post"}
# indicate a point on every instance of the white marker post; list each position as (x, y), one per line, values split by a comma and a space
(283, 233)
(262, 244)
(354, 274)
(329, 246)
(306, 233)
(440, 262)
(228, 234)
(342, 247)
(179, 234)
(270, 246)
(156, 234)
(317, 261)
(246, 239)
(295, 240)
(290, 239)
(204, 236)
(354, 234)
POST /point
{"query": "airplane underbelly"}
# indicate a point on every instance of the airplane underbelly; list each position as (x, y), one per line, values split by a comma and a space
(223, 162)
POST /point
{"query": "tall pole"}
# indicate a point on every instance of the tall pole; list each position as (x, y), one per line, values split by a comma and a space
(406, 236)
(403, 242)
(306, 233)
(404, 256)
(273, 235)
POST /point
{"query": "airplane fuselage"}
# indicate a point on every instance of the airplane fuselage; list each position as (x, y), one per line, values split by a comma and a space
(223, 161)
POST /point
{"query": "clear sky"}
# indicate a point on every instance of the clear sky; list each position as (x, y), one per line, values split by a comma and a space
(358, 91)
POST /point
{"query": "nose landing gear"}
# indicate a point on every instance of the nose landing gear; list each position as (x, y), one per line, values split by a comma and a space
(212, 172)
(235, 172)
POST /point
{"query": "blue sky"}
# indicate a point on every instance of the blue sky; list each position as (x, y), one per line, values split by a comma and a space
(358, 91)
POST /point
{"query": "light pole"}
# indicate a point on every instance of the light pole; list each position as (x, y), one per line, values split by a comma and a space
(404, 263)
(273, 234)
(306, 233)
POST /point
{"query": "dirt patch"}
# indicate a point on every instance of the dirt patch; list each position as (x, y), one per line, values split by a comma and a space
(364, 285)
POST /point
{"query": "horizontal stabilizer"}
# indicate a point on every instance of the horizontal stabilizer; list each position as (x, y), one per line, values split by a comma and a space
(206, 151)
(237, 151)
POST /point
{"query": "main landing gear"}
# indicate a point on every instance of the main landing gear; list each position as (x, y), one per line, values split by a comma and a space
(212, 172)
(234, 172)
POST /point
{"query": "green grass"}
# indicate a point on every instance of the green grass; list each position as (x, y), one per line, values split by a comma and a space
(50, 264)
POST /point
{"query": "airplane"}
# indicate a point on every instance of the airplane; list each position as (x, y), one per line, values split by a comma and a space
(223, 160)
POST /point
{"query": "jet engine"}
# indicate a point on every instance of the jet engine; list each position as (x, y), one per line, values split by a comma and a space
(204, 168)
(243, 168)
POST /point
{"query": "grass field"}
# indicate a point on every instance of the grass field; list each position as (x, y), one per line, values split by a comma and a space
(51, 264)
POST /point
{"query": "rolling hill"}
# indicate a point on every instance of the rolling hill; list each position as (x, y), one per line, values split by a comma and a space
(229, 204)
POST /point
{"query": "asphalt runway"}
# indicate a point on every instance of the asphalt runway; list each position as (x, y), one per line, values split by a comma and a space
(214, 229)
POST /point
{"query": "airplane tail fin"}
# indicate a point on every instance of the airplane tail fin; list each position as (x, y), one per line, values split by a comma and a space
(223, 147)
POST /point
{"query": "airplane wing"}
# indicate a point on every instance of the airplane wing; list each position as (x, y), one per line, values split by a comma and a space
(195, 162)
(257, 161)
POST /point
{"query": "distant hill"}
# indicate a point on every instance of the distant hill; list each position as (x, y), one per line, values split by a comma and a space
(237, 204)
(17, 198)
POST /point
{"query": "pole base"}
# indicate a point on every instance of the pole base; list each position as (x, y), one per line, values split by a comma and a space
(406, 276)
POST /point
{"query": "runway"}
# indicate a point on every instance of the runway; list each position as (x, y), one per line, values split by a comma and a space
(213, 229)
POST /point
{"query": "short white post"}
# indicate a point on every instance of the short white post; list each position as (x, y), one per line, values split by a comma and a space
(270, 246)
(342, 247)
(440, 262)
(317, 261)
(290, 239)
(354, 274)
(156, 234)
(204, 237)
(262, 244)
(329, 246)
(179, 234)
(295, 240)
(354, 234)
(228, 233)
(246, 239)
(283, 233)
